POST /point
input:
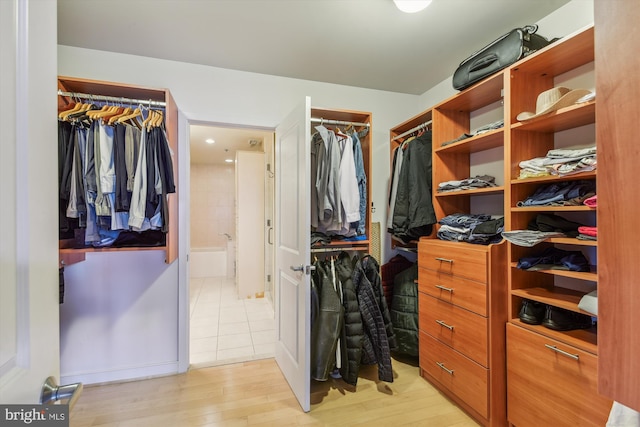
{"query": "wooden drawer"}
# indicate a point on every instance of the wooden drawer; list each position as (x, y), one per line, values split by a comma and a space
(462, 376)
(549, 388)
(456, 290)
(458, 259)
(456, 327)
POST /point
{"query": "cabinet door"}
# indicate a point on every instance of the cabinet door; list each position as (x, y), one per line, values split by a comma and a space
(550, 383)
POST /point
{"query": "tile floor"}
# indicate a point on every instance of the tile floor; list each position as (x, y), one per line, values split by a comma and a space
(225, 329)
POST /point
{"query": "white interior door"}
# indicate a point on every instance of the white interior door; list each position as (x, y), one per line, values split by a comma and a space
(293, 256)
(29, 310)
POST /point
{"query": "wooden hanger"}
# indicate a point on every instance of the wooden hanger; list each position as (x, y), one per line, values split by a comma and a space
(74, 109)
(136, 113)
(125, 112)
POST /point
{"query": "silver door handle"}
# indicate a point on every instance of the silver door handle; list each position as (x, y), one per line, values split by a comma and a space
(557, 350)
(302, 268)
(298, 268)
(51, 392)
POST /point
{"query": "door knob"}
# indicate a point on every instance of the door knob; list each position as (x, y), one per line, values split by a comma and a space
(51, 392)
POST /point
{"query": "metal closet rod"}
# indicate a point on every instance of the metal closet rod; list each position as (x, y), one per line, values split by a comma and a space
(420, 126)
(149, 102)
(337, 122)
(338, 249)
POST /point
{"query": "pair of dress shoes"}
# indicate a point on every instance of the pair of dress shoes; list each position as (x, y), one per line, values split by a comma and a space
(556, 318)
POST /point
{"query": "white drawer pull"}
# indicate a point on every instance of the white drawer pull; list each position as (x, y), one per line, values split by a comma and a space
(450, 261)
(441, 323)
(557, 350)
(444, 368)
(444, 289)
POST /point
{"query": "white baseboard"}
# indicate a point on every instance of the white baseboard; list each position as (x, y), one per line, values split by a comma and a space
(121, 375)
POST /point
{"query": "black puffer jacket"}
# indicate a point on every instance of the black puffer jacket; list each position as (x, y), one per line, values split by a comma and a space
(379, 338)
(404, 310)
(352, 332)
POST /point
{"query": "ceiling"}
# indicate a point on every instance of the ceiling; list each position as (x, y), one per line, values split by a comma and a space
(227, 142)
(362, 43)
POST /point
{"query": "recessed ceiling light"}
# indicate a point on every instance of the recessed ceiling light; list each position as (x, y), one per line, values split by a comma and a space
(209, 141)
(411, 6)
(228, 160)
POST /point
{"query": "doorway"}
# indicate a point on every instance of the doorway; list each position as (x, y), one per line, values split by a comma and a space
(226, 327)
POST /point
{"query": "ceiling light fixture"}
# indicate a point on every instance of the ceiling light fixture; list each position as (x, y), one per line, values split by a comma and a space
(411, 6)
(229, 160)
(209, 141)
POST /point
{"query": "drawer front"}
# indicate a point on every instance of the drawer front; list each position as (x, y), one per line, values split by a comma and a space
(547, 387)
(463, 377)
(453, 289)
(456, 327)
(458, 259)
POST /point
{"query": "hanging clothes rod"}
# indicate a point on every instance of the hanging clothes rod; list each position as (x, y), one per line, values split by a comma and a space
(338, 249)
(410, 131)
(149, 102)
(337, 122)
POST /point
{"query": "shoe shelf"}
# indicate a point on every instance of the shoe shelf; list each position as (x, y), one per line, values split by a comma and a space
(556, 296)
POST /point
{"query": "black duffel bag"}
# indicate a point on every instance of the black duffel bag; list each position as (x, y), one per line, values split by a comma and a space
(501, 53)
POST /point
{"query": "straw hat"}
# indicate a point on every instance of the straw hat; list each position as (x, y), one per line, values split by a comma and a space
(552, 100)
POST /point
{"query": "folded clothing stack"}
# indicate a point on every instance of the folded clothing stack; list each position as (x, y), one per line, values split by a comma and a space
(560, 162)
(481, 229)
(555, 259)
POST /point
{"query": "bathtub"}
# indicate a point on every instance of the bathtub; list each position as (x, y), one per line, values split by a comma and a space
(208, 262)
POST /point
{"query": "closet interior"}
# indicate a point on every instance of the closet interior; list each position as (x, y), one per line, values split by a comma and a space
(82, 102)
(470, 284)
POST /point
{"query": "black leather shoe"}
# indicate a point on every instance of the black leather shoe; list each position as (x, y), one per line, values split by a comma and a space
(560, 319)
(532, 312)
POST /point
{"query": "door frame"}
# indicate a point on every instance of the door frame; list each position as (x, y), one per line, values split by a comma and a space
(184, 213)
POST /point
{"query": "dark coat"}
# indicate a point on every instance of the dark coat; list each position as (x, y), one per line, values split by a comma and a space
(379, 338)
(404, 310)
(413, 214)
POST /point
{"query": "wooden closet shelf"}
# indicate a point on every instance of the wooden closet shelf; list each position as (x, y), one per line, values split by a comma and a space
(552, 209)
(476, 191)
(491, 139)
(562, 119)
(580, 275)
(557, 296)
(553, 178)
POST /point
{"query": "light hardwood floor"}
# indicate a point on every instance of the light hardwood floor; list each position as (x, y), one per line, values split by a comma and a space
(256, 394)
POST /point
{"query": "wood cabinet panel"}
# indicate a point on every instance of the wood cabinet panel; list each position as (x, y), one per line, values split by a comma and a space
(618, 207)
(459, 374)
(453, 289)
(456, 327)
(551, 383)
